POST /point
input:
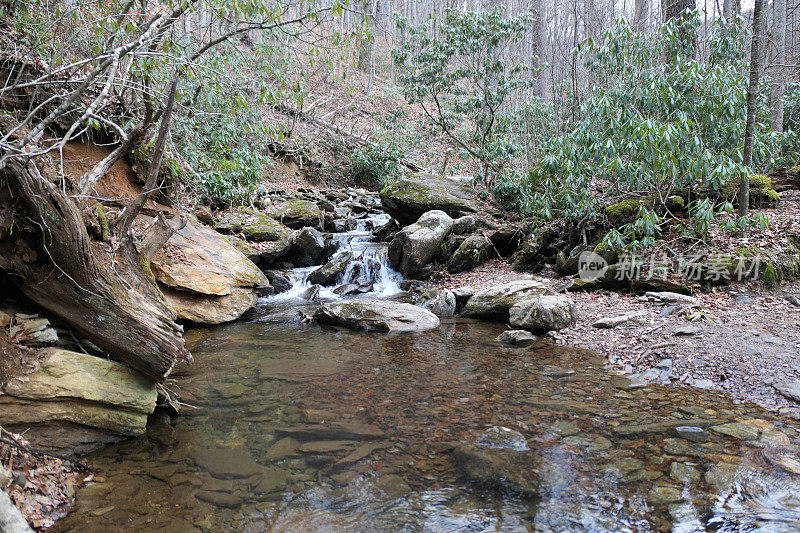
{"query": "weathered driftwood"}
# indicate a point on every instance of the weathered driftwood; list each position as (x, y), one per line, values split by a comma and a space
(104, 291)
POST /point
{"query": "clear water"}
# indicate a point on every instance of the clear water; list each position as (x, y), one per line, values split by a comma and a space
(605, 448)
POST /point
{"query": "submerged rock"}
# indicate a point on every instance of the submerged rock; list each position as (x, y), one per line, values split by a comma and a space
(510, 470)
(494, 303)
(414, 246)
(227, 462)
(503, 438)
(78, 402)
(410, 197)
(374, 314)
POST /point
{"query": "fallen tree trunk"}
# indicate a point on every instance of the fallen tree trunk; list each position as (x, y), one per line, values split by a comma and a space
(347, 137)
(105, 291)
(786, 179)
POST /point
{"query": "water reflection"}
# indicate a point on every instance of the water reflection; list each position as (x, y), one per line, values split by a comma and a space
(301, 428)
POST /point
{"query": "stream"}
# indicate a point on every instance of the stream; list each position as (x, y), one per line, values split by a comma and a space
(299, 427)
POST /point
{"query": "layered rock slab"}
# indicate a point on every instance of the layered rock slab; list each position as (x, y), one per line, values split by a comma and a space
(77, 401)
(378, 315)
(205, 278)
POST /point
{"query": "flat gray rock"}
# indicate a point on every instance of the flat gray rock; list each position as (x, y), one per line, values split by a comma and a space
(686, 331)
(789, 390)
(672, 298)
(375, 314)
(494, 303)
(614, 321)
(11, 520)
(548, 312)
(517, 337)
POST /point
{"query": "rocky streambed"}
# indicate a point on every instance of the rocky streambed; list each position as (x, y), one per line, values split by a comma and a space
(300, 426)
(346, 396)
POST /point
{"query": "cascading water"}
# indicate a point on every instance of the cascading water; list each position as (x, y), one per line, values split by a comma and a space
(369, 271)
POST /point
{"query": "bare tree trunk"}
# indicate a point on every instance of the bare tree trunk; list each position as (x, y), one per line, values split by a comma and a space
(731, 8)
(672, 9)
(779, 77)
(537, 43)
(752, 94)
(640, 14)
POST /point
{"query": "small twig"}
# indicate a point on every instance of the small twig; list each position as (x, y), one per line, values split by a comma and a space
(69, 330)
(653, 328)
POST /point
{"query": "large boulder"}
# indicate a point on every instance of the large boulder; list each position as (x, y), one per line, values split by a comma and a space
(77, 402)
(204, 277)
(330, 271)
(300, 214)
(473, 251)
(205, 309)
(374, 314)
(508, 238)
(254, 225)
(414, 246)
(249, 251)
(549, 312)
(308, 246)
(494, 303)
(410, 197)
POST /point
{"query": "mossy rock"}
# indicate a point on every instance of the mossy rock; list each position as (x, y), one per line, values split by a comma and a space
(761, 192)
(625, 211)
(254, 225)
(249, 251)
(528, 258)
(473, 251)
(410, 197)
(299, 214)
(606, 252)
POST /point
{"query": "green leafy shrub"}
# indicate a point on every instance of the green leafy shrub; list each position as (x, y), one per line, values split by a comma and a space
(222, 134)
(654, 127)
(373, 166)
(453, 67)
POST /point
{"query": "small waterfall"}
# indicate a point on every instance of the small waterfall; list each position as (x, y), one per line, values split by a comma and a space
(369, 272)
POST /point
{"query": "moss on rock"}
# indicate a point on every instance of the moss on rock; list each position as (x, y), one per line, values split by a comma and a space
(300, 214)
(408, 198)
(254, 225)
(761, 192)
